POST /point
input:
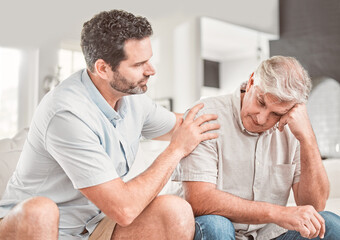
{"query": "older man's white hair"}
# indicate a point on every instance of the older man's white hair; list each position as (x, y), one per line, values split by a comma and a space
(283, 77)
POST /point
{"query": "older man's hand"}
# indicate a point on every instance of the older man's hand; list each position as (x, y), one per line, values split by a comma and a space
(298, 122)
(303, 219)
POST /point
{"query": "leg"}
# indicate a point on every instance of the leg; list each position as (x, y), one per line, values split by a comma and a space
(332, 222)
(166, 217)
(214, 227)
(35, 218)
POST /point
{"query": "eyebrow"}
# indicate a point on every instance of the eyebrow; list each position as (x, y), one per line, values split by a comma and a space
(141, 62)
(259, 96)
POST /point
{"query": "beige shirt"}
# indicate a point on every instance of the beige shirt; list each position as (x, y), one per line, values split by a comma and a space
(258, 167)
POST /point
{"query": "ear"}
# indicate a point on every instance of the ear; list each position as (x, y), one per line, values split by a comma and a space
(250, 82)
(102, 69)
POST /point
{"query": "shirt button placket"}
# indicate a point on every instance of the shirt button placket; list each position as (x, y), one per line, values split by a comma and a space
(257, 169)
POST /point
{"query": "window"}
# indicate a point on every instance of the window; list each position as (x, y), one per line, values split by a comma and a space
(70, 61)
(9, 87)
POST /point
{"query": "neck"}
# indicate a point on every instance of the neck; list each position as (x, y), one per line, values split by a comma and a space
(109, 94)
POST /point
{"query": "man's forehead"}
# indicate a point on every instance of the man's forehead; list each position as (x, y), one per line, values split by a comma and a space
(275, 102)
(138, 49)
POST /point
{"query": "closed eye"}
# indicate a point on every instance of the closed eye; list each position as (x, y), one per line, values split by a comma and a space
(261, 102)
(278, 114)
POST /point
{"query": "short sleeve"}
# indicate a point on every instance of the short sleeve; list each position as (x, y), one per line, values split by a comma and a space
(158, 121)
(296, 160)
(200, 165)
(78, 151)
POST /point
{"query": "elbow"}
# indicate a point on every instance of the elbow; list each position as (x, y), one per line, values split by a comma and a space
(197, 209)
(320, 206)
(124, 217)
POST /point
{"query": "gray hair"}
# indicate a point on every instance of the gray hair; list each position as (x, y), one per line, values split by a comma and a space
(285, 78)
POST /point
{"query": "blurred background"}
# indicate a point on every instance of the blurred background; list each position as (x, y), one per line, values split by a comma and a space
(201, 49)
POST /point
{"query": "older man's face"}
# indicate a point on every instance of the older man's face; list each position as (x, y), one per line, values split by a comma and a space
(260, 112)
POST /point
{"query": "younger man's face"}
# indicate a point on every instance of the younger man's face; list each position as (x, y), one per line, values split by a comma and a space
(133, 73)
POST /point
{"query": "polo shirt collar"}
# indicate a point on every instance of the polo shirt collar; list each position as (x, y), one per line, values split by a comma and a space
(100, 101)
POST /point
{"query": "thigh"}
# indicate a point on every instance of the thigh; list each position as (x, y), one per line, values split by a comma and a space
(291, 235)
(213, 227)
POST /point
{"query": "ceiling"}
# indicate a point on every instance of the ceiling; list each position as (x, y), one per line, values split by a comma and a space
(36, 22)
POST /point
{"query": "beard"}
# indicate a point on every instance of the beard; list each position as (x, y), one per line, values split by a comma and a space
(121, 84)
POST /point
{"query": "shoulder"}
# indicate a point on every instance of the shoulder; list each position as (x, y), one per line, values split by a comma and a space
(216, 105)
(70, 96)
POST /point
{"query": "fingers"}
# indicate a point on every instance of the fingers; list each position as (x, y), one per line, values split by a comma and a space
(304, 231)
(322, 223)
(313, 228)
(317, 226)
(209, 126)
(193, 111)
(205, 118)
(208, 136)
(283, 121)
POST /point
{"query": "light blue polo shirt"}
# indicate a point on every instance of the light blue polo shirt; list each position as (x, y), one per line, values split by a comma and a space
(78, 140)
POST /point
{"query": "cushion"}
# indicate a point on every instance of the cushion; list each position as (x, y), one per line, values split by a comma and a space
(10, 150)
(15, 143)
(8, 162)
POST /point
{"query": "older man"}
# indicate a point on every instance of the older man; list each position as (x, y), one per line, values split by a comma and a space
(239, 183)
(83, 140)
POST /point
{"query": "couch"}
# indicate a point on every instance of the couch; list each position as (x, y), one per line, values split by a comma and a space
(10, 150)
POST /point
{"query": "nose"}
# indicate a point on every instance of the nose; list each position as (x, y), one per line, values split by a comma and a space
(262, 117)
(149, 70)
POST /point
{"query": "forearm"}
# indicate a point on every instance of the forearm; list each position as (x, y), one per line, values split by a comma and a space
(141, 190)
(234, 208)
(206, 199)
(313, 188)
(122, 201)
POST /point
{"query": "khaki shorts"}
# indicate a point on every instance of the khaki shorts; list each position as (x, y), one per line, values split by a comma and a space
(103, 231)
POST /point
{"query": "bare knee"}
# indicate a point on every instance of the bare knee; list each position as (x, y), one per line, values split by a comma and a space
(34, 218)
(37, 210)
(177, 215)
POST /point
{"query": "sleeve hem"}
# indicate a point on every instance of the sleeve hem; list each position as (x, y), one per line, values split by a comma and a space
(194, 178)
(90, 182)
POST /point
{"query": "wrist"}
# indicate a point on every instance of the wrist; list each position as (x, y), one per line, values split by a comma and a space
(175, 151)
(274, 213)
(308, 141)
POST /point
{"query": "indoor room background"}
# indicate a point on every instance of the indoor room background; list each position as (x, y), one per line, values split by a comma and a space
(201, 48)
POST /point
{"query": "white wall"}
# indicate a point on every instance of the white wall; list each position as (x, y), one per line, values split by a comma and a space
(43, 25)
(239, 50)
(234, 72)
